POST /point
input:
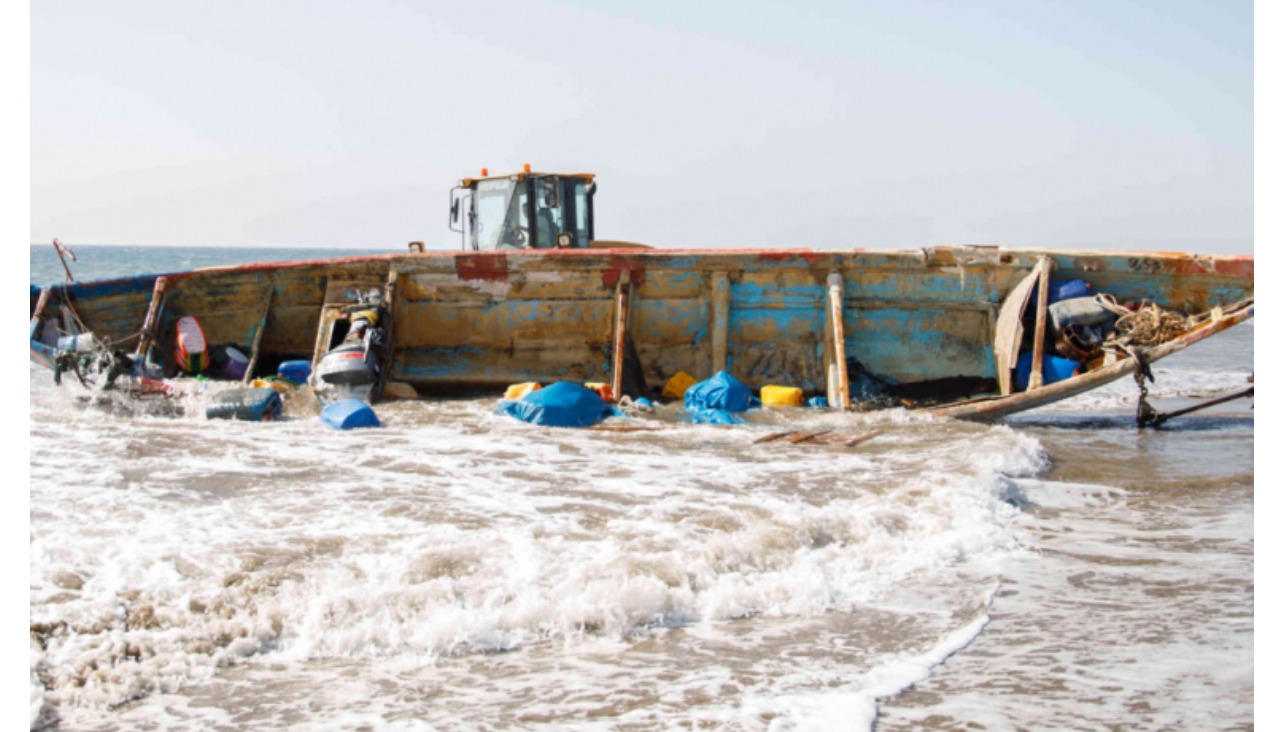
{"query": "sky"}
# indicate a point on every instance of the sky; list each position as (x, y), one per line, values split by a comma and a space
(1118, 125)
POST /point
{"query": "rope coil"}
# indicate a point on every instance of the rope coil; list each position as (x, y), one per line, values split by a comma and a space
(1148, 325)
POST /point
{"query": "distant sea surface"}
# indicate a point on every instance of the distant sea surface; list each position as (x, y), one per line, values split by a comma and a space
(98, 262)
(458, 570)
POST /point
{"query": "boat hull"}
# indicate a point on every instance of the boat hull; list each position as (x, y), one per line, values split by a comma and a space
(790, 317)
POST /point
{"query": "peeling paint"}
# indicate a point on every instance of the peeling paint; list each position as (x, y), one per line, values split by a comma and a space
(489, 266)
(489, 317)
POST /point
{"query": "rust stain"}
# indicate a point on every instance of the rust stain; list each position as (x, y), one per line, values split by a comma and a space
(1236, 266)
(784, 254)
(617, 266)
(491, 267)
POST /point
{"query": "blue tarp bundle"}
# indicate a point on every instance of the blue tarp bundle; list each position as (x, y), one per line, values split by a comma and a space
(722, 391)
(560, 405)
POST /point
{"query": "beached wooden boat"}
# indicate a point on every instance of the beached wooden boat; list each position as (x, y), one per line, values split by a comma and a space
(944, 323)
(488, 319)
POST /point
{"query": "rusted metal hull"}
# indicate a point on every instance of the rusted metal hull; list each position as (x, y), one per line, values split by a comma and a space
(785, 316)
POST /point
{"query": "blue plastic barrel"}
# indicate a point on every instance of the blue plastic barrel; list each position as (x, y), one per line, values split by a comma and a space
(296, 371)
(1055, 369)
(251, 405)
(349, 414)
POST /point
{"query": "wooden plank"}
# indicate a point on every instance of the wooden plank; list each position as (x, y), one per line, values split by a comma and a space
(1007, 335)
(39, 313)
(325, 324)
(840, 394)
(148, 333)
(805, 436)
(858, 439)
(620, 345)
(721, 317)
(1040, 324)
(1162, 417)
(773, 436)
(390, 292)
(258, 334)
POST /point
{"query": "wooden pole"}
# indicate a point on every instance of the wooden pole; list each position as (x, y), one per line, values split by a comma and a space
(840, 394)
(258, 335)
(1162, 417)
(1040, 325)
(621, 338)
(39, 313)
(148, 335)
(390, 300)
(63, 252)
(721, 316)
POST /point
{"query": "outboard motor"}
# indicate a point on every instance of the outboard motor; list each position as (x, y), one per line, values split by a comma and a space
(351, 369)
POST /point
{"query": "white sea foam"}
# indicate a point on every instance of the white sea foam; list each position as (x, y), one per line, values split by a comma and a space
(854, 705)
(552, 577)
(1126, 612)
(165, 549)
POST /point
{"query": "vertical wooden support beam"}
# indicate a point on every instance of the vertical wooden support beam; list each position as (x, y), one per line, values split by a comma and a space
(620, 347)
(258, 334)
(836, 367)
(1040, 325)
(721, 319)
(148, 334)
(38, 314)
(390, 302)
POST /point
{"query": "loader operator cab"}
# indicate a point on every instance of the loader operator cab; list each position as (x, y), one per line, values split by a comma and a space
(523, 211)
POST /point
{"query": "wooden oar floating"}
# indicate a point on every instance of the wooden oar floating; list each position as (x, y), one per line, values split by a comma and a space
(818, 437)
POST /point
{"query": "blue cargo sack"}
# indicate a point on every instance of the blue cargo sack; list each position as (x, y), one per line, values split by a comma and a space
(818, 402)
(1059, 290)
(349, 414)
(722, 391)
(560, 405)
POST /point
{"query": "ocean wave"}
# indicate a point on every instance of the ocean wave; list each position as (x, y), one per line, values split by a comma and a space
(164, 549)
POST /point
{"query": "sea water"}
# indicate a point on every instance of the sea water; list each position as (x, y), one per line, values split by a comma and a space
(458, 570)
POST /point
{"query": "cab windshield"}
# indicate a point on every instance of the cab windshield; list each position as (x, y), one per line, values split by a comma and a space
(500, 215)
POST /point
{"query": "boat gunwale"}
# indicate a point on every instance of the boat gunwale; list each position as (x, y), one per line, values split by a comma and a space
(924, 255)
